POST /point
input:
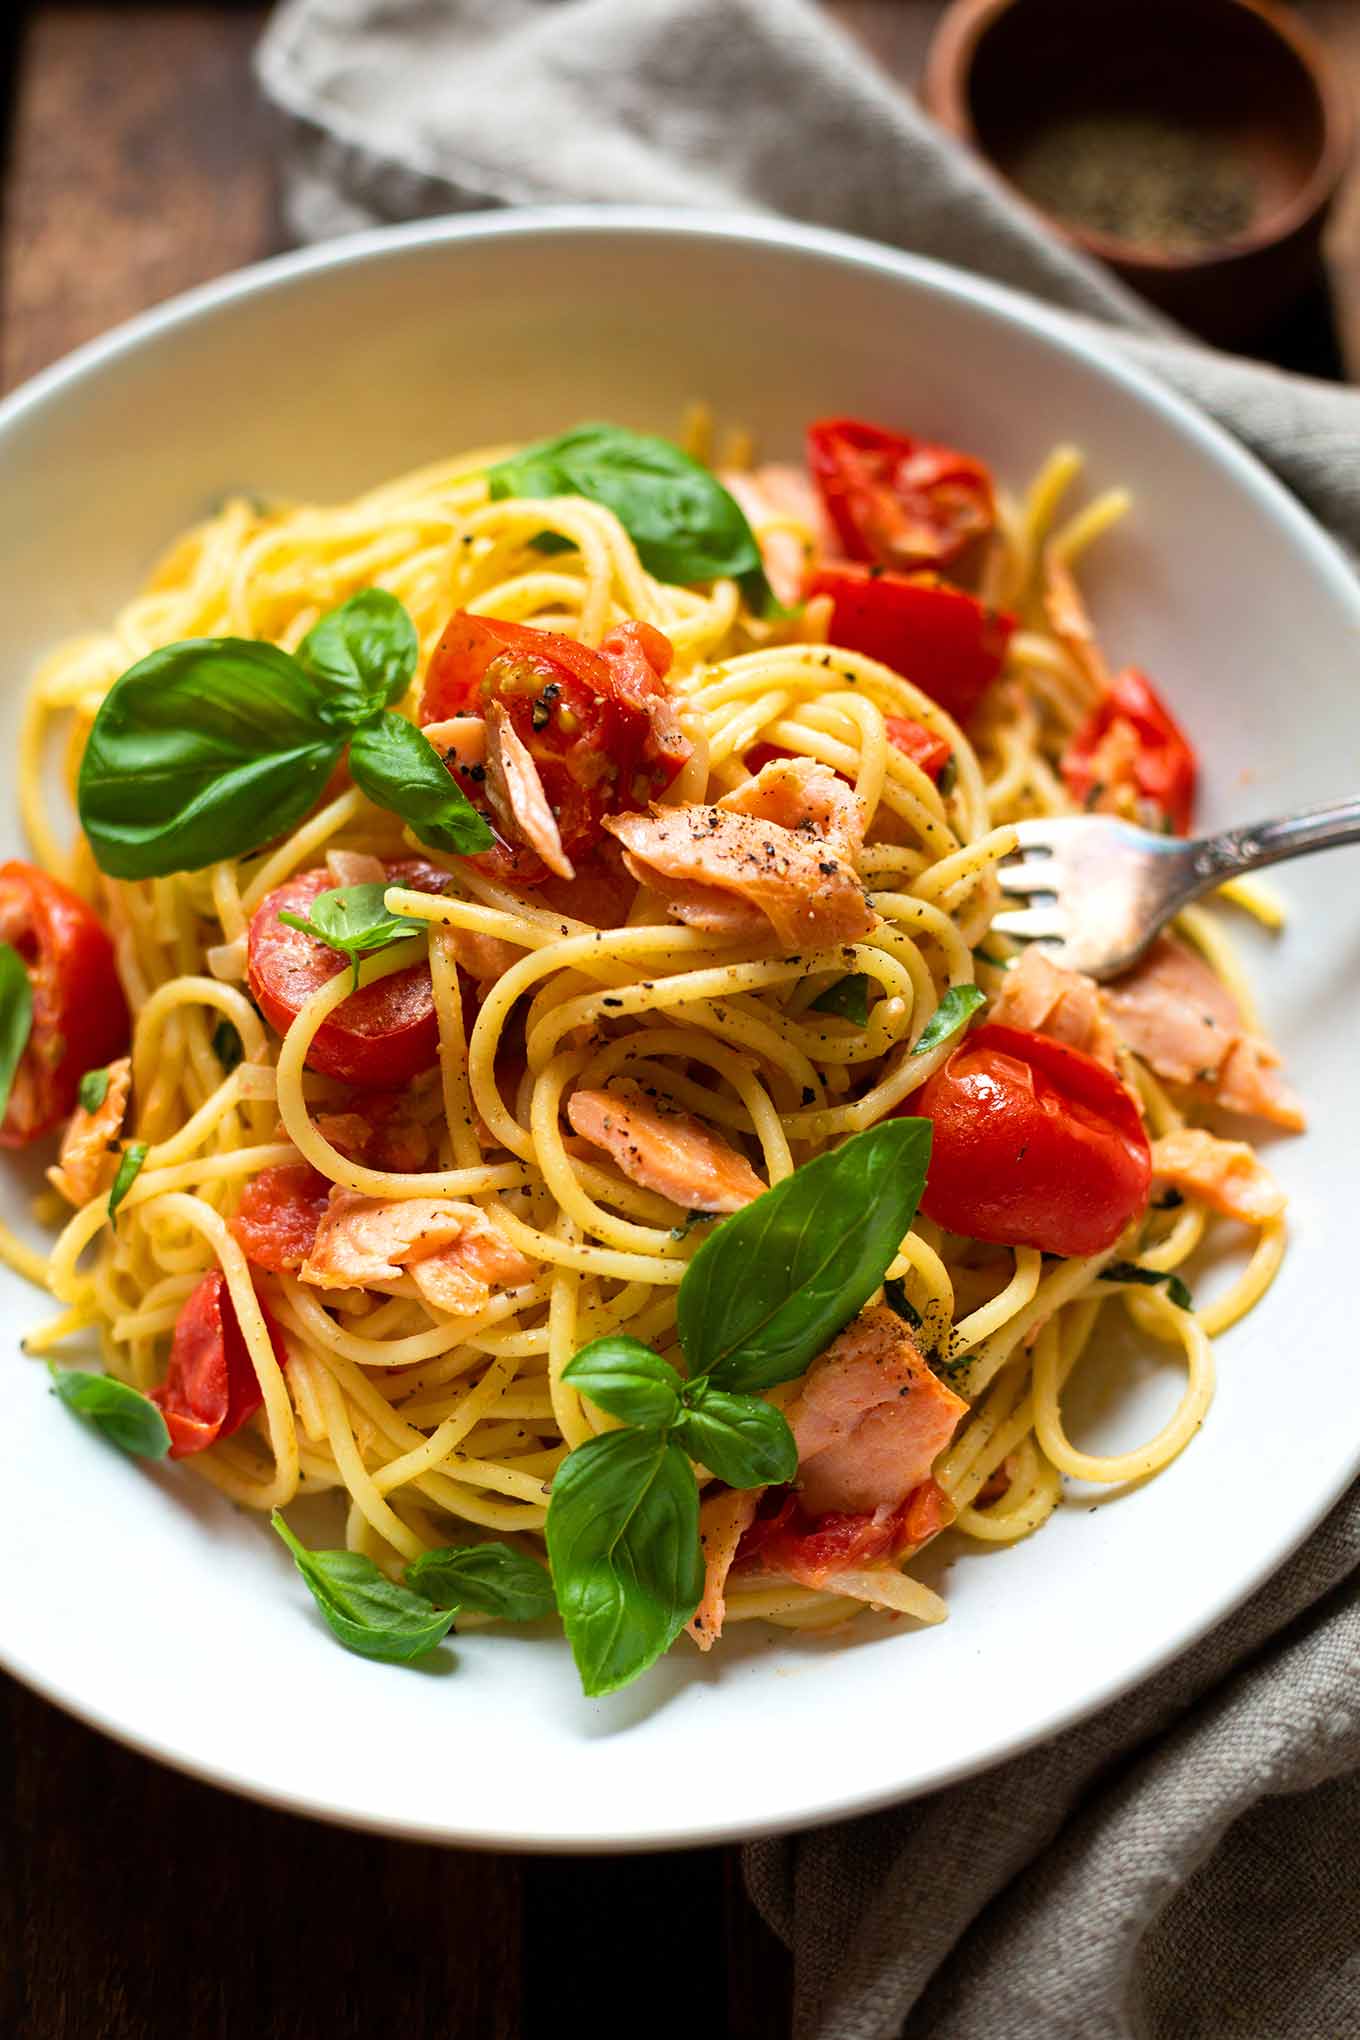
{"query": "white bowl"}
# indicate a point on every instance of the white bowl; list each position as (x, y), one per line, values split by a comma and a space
(143, 1602)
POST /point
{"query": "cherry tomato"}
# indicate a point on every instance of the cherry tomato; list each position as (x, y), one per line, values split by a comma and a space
(944, 641)
(1036, 1145)
(785, 1539)
(381, 1036)
(80, 1016)
(278, 1215)
(598, 725)
(912, 738)
(211, 1388)
(1131, 757)
(897, 501)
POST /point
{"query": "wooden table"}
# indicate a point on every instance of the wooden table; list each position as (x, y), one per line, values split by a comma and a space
(136, 1904)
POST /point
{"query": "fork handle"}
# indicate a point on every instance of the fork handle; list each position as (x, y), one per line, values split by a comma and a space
(1211, 859)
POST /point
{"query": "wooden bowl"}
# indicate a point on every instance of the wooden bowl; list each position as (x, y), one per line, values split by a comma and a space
(1193, 145)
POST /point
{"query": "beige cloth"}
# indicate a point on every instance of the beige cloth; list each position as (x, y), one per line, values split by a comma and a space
(1185, 1866)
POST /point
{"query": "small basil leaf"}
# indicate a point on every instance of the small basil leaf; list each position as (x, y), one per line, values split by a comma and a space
(623, 1543)
(362, 657)
(16, 1018)
(1150, 1278)
(775, 1283)
(227, 1045)
(684, 523)
(353, 920)
(995, 962)
(491, 1578)
(848, 999)
(366, 1610)
(897, 1300)
(949, 776)
(745, 1441)
(955, 1009)
(397, 766)
(629, 1380)
(129, 1168)
(94, 1089)
(129, 1420)
(204, 750)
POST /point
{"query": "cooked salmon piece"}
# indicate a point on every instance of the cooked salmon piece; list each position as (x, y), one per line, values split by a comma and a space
(1228, 1175)
(383, 1135)
(355, 867)
(1064, 1004)
(453, 1252)
(1070, 622)
(781, 844)
(871, 1419)
(516, 795)
(784, 511)
(88, 1160)
(664, 1150)
(460, 741)
(1183, 1021)
(724, 1519)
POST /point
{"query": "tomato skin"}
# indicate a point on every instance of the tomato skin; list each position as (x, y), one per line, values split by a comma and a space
(211, 1388)
(598, 725)
(80, 1016)
(381, 1036)
(1035, 1145)
(897, 501)
(944, 641)
(1131, 744)
(279, 1212)
(785, 1539)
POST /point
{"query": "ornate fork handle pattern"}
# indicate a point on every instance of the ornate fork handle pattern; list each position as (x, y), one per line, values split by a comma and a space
(1238, 851)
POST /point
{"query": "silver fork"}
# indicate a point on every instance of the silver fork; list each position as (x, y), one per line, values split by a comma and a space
(1112, 888)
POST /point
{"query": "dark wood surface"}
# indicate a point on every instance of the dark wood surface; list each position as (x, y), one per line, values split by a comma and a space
(136, 1904)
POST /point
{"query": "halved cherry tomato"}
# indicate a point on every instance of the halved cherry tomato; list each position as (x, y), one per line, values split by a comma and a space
(1131, 757)
(598, 725)
(278, 1215)
(785, 1539)
(381, 1036)
(944, 641)
(910, 737)
(211, 1388)
(1036, 1145)
(80, 1016)
(898, 501)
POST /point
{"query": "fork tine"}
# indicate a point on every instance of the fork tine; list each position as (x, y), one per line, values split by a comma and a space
(1032, 874)
(1033, 924)
(1036, 832)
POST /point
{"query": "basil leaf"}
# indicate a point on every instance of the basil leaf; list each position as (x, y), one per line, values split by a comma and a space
(129, 1420)
(745, 1441)
(362, 657)
(16, 1018)
(398, 767)
(684, 523)
(1150, 1278)
(227, 1045)
(775, 1283)
(897, 1300)
(957, 1006)
(366, 1610)
(204, 750)
(848, 999)
(94, 1089)
(491, 1578)
(996, 962)
(629, 1380)
(949, 776)
(623, 1543)
(129, 1168)
(353, 919)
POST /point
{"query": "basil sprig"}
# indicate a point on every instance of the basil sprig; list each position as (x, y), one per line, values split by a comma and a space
(215, 746)
(765, 1293)
(686, 526)
(353, 920)
(954, 1011)
(16, 1018)
(378, 1618)
(127, 1419)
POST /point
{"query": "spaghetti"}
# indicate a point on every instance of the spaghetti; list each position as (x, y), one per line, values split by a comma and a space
(431, 1425)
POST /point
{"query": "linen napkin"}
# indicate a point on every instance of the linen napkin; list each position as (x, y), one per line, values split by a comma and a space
(1182, 1866)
